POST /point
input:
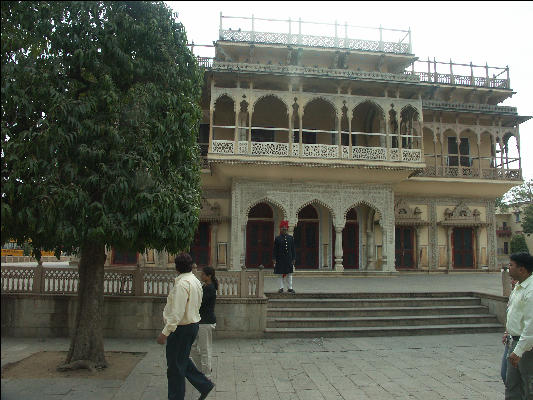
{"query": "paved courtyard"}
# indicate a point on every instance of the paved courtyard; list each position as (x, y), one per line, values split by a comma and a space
(484, 282)
(424, 367)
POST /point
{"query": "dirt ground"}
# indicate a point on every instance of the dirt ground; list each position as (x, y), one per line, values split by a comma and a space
(44, 364)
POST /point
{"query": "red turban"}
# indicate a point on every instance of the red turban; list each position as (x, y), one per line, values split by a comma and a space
(284, 224)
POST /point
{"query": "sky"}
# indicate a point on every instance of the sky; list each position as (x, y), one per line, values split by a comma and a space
(497, 33)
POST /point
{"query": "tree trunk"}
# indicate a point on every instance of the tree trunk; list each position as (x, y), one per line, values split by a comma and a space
(87, 344)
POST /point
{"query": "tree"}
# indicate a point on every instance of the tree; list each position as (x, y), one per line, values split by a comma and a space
(521, 194)
(518, 244)
(527, 220)
(100, 109)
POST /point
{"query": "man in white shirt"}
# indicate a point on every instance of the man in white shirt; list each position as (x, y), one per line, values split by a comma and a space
(519, 379)
(181, 315)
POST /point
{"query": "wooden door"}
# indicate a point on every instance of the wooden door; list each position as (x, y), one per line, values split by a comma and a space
(404, 247)
(463, 247)
(259, 243)
(201, 246)
(306, 244)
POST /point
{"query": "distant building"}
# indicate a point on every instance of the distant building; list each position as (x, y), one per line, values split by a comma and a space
(508, 224)
(376, 166)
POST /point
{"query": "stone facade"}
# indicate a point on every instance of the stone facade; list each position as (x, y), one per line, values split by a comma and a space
(376, 166)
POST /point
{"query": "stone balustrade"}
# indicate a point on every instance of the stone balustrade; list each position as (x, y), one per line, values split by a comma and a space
(474, 173)
(322, 151)
(124, 281)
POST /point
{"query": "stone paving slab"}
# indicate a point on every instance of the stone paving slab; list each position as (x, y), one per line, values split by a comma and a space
(484, 282)
(424, 367)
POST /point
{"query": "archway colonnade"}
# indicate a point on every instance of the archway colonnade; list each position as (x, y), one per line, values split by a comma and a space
(319, 213)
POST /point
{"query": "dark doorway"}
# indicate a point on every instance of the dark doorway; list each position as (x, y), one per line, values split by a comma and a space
(201, 246)
(404, 247)
(306, 238)
(463, 247)
(260, 236)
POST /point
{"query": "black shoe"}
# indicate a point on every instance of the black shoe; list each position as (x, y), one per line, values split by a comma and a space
(291, 291)
(204, 394)
(280, 291)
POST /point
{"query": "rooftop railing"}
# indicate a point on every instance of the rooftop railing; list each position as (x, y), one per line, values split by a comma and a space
(469, 74)
(401, 44)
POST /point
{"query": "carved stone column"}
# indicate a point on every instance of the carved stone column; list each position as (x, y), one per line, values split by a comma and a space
(211, 110)
(243, 247)
(370, 244)
(449, 246)
(300, 147)
(338, 249)
(417, 246)
(477, 247)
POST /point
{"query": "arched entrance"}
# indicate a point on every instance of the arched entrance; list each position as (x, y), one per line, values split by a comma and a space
(260, 236)
(306, 238)
(350, 242)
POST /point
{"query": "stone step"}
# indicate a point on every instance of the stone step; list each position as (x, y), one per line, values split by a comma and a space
(382, 331)
(372, 321)
(369, 295)
(375, 311)
(377, 302)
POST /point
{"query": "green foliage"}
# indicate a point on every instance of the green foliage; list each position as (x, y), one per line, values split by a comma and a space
(527, 219)
(501, 204)
(518, 244)
(521, 194)
(99, 120)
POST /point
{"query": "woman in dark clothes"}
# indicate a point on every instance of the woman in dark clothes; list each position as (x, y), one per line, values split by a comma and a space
(208, 320)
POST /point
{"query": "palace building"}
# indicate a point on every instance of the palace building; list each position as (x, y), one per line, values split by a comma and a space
(378, 160)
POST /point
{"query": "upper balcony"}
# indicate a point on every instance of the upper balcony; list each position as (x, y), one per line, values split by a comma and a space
(460, 74)
(401, 43)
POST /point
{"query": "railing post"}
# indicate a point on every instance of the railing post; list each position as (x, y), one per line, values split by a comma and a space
(300, 30)
(220, 28)
(289, 41)
(261, 283)
(253, 28)
(472, 82)
(410, 45)
(508, 80)
(435, 70)
(336, 37)
(452, 79)
(486, 74)
(243, 284)
(38, 279)
(380, 38)
(138, 281)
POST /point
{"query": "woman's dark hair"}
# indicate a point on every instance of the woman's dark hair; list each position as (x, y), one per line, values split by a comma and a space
(210, 271)
(183, 263)
(523, 260)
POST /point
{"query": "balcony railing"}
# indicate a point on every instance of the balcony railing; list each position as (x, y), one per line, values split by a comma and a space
(322, 151)
(474, 173)
(432, 75)
(124, 281)
(400, 45)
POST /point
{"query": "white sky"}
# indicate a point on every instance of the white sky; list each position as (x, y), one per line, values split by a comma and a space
(497, 33)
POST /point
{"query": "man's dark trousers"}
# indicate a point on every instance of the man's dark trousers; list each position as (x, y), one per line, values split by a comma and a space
(180, 366)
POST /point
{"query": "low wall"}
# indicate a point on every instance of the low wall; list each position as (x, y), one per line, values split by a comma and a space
(38, 315)
(497, 305)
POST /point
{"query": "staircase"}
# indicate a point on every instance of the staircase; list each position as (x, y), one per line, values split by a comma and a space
(376, 314)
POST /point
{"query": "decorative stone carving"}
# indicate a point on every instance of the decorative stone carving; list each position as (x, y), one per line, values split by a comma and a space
(405, 215)
(461, 215)
(291, 197)
(210, 212)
